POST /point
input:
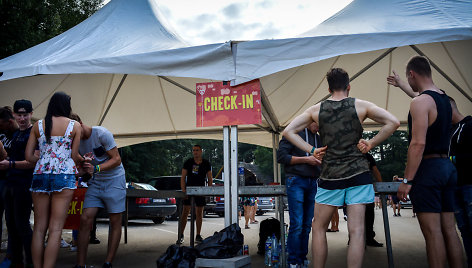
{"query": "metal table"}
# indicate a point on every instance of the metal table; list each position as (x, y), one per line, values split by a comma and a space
(133, 193)
(253, 191)
(384, 189)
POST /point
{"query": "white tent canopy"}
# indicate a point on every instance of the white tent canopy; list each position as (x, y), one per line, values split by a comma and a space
(368, 39)
(126, 70)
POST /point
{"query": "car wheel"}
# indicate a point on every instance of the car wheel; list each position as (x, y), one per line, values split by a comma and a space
(159, 220)
(260, 213)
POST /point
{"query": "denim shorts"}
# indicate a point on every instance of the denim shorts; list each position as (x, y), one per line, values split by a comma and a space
(47, 183)
(434, 186)
(362, 194)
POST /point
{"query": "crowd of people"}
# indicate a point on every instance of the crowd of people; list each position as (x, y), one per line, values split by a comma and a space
(339, 171)
(327, 166)
(39, 167)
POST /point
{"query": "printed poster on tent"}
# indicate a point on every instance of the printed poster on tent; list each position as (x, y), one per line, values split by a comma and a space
(219, 104)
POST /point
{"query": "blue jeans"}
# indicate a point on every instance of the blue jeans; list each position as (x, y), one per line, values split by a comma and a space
(301, 194)
(463, 212)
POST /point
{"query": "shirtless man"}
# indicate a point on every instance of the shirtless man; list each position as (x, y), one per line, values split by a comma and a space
(345, 175)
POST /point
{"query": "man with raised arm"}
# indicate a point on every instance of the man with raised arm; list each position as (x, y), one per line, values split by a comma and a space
(345, 175)
(430, 178)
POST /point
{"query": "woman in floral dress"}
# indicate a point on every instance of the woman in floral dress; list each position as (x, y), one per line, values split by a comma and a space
(58, 139)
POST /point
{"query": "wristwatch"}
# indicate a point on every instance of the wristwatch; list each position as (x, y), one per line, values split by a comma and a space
(406, 181)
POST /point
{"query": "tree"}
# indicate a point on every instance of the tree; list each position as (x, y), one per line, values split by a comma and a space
(26, 23)
(391, 154)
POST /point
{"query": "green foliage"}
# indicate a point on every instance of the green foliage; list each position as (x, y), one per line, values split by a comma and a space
(391, 154)
(26, 23)
(263, 159)
(164, 158)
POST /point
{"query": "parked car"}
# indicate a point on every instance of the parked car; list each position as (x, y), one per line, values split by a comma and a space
(264, 204)
(155, 209)
(173, 183)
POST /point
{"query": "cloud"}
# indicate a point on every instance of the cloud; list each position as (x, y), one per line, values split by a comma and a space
(234, 10)
(266, 4)
(268, 31)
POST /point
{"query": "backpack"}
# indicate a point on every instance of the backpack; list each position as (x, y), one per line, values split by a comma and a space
(267, 227)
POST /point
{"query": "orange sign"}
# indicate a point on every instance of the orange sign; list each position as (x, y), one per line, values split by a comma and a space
(219, 104)
(75, 209)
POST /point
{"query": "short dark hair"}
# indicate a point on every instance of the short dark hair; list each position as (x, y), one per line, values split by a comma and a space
(198, 145)
(6, 113)
(419, 65)
(75, 117)
(338, 79)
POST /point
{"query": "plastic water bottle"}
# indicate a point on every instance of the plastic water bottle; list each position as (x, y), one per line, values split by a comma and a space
(268, 252)
(275, 251)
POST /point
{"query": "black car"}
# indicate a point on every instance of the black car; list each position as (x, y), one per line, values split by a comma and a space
(173, 183)
(148, 208)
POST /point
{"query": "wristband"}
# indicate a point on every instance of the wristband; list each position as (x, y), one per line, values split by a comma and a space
(13, 163)
(96, 169)
(9, 164)
(313, 150)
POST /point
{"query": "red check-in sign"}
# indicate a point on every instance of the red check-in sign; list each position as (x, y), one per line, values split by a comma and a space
(222, 105)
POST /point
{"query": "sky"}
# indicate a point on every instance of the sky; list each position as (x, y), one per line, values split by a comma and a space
(215, 21)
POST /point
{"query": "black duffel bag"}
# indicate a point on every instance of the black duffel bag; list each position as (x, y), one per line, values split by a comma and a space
(223, 244)
(180, 257)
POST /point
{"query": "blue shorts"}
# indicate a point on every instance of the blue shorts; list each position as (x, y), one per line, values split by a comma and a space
(108, 193)
(362, 194)
(433, 186)
(47, 183)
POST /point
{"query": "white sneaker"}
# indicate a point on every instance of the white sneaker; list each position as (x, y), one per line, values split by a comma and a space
(64, 244)
(72, 248)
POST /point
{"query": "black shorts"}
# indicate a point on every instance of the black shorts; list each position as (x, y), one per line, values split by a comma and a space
(433, 186)
(395, 199)
(200, 201)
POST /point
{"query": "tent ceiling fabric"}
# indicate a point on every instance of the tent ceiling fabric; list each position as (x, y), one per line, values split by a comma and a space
(124, 37)
(306, 85)
(128, 71)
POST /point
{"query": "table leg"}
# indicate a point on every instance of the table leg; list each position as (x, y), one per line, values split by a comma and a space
(387, 231)
(192, 222)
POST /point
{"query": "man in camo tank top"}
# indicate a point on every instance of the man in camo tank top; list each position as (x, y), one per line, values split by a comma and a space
(345, 176)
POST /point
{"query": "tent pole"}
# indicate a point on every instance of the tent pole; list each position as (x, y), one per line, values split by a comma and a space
(178, 85)
(415, 48)
(234, 174)
(275, 176)
(226, 176)
(113, 99)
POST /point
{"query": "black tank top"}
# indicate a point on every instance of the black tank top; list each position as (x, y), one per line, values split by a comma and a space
(438, 134)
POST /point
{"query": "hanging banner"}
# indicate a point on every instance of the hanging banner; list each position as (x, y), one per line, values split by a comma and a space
(219, 104)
